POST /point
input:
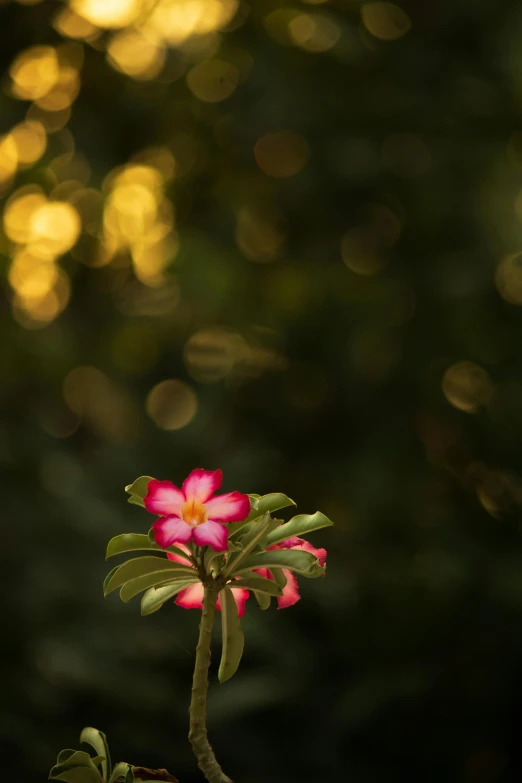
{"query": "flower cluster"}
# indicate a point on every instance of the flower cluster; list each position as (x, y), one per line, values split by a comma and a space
(193, 514)
(206, 552)
(212, 550)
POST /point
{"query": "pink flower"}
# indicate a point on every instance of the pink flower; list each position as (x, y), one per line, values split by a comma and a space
(291, 589)
(191, 513)
(192, 597)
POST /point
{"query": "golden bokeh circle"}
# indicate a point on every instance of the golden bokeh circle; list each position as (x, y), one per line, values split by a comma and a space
(171, 404)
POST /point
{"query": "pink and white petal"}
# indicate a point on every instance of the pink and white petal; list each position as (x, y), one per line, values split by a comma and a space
(264, 572)
(179, 558)
(171, 530)
(163, 498)
(306, 546)
(212, 534)
(290, 591)
(201, 484)
(240, 596)
(232, 507)
(191, 597)
(289, 543)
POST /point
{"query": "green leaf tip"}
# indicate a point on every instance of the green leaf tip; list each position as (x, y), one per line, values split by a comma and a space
(272, 502)
(129, 542)
(301, 562)
(258, 583)
(300, 525)
(154, 598)
(138, 489)
(142, 566)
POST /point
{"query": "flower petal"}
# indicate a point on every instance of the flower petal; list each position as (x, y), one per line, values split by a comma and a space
(306, 546)
(179, 558)
(240, 595)
(191, 597)
(163, 498)
(290, 591)
(171, 530)
(201, 484)
(212, 534)
(232, 507)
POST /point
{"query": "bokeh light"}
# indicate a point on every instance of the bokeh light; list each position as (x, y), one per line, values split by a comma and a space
(30, 140)
(138, 219)
(34, 72)
(171, 404)
(134, 55)
(509, 278)
(108, 14)
(8, 161)
(213, 81)
(314, 32)
(282, 239)
(100, 404)
(54, 229)
(467, 386)
(211, 354)
(259, 234)
(386, 21)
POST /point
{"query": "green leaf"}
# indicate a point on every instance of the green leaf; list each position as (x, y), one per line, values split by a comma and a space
(140, 566)
(269, 503)
(63, 755)
(136, 501)
(134, 542)
(298, 526)
(97, 740)
(263, 600)
(157, 596)
(98, 760)
(294, 559)
(262, 543)
(74, 758)
(120, 772)
(77, 775)
(260, 504)
(77, 767)
(138, 489)
(109, 577)
(156, 579)
(232, 636)
(129, 542)
(279, 577)
(257, 583)
(254, 535)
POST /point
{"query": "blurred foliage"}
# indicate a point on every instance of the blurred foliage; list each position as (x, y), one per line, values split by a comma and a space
(283, 239)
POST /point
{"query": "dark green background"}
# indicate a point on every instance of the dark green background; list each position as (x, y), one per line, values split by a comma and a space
(404, 663)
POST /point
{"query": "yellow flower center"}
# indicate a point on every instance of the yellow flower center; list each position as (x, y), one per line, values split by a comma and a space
(194, 513)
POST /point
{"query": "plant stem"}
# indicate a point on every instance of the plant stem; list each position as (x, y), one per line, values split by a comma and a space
(204, 754)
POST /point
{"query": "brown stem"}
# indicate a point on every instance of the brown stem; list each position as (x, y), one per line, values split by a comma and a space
(198, 704)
